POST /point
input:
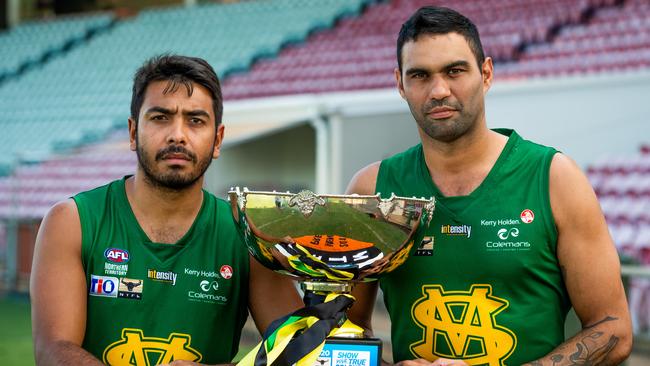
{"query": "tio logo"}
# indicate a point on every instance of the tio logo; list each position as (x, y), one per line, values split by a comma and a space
(103, 286)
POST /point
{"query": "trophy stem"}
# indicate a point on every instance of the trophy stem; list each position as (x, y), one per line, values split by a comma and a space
(326, 287)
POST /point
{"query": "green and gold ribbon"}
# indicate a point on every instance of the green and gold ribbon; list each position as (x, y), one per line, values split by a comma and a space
(298, 338)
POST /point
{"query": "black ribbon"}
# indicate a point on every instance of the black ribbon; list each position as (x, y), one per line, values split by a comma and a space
(330, 315)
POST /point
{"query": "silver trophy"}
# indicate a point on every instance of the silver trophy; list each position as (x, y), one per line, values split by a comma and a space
(328, 242)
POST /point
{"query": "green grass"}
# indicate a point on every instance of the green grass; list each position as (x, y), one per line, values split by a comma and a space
(341, 220)
(15, 332)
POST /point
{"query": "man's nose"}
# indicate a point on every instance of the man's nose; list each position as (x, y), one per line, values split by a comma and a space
(177, 131)
(439, 88)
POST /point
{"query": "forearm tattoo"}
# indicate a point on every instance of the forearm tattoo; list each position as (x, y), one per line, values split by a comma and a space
(591, 348)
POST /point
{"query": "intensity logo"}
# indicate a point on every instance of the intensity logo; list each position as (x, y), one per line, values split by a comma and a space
(167, 276)
(462, 324)
(136, 349)
(460, 230)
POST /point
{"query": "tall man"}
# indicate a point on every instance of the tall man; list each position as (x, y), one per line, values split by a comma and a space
(518, 235)
(150, 268)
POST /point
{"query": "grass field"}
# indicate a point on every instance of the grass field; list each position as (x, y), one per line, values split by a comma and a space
(15, 332)
(341, 220)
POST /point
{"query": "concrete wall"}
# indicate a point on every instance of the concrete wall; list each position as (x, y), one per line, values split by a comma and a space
(588, 118)
(284, 160)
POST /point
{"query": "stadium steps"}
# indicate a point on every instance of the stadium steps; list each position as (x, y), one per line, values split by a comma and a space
(75, 99)
(30, 45)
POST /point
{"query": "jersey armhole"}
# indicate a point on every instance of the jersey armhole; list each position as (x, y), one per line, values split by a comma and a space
(86, 236)
(547, 215)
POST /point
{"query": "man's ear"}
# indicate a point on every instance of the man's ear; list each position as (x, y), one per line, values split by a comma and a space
(488, 73)
(133, 130)
(398, 81)
(218, 140)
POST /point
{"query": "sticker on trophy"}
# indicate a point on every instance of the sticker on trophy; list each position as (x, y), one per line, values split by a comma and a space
(340, 251)
(351, 358)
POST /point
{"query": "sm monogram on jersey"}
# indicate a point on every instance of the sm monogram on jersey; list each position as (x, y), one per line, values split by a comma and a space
(462, 324)
(136, 349)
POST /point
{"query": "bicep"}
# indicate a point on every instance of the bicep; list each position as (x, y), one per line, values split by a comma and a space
(58, 282)
(271, 295)
(586, 253)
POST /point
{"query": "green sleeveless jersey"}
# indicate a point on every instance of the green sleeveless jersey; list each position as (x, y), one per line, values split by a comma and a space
(484, 285)
(151, 303)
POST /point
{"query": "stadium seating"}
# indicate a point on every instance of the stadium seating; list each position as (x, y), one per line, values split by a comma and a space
(29, 42)
(33, 188)
(360, 53)
(622, 184)
(77, 97)
(616, 38)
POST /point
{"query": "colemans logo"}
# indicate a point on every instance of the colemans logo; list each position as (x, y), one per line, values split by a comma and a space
(116, 255)
(134, 349)
(462, 324)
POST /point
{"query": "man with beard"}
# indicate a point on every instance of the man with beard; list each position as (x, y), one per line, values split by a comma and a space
(518, 236)
(150, 269)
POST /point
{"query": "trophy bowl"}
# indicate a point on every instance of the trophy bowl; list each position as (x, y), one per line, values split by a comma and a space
(330, 238)
(329, 242)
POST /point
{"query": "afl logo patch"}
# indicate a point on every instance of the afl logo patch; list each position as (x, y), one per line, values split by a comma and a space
(116, 255)
(226, 271)
(527, 216)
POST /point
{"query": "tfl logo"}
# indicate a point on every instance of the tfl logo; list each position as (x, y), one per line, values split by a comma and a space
(103, 286)
(116, 255)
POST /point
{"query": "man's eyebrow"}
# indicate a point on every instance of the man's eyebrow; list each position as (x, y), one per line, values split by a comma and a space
(451, 65)
(196, 112)
(416, 70)
(159, 110)
(462, 63)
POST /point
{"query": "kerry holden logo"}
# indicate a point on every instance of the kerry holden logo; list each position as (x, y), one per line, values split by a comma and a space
(456, 230)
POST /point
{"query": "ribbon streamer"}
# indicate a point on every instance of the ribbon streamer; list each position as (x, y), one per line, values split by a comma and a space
(298, 338)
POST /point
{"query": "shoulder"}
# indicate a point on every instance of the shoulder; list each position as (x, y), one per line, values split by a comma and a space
(365, 180)
(62, 212)
(570, 192)
(61, 226)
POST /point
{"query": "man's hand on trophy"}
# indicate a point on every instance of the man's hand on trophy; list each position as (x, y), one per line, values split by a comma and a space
(438, 362)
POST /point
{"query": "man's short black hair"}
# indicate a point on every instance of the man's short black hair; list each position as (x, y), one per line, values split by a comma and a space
(178, 70)
(433, 20)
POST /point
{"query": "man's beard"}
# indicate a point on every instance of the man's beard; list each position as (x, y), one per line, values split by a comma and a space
(448, 130)
(172, 179)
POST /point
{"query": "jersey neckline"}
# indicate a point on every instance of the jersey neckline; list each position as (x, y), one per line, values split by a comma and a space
(144, 238)
(490, 178)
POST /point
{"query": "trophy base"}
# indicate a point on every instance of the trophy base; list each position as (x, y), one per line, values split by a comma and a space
(350, 352)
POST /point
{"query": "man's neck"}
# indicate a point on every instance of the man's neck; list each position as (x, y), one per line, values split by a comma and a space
(164, 214)
(459, 167)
